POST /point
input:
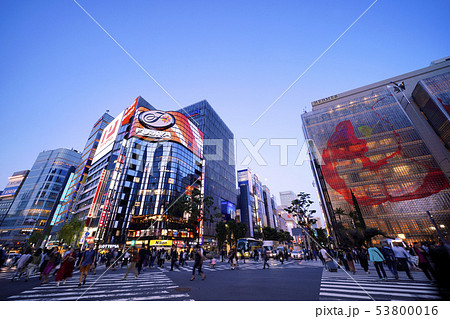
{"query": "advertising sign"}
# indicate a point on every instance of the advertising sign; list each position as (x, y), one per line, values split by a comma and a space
(108, 137)
(129, 112)
(161, 243)
(154, 125)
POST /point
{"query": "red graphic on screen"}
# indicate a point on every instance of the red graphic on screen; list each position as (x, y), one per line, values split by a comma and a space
(344, 145)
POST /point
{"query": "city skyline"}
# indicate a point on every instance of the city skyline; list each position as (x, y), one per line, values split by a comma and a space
(237, 57)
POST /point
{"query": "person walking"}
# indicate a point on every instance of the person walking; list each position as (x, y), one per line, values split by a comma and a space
(173, 258)
(377, 258)
(424, 263)
(402, 258)
(34, 263)
(265, 258)
(53, 261)
(242, 255)
(281, 257)
(22, 264)
(198, 262)
(142, 253)
(223, 253)
(363, 258)
(153, 257)
(134, 259)
(115, 258)
(87, 259)
(350, 263)
(389, 256)
(181, 263)
(67, 267)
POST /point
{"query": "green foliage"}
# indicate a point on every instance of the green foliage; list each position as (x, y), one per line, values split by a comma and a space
(221, 233)
(270, 233)
(300, 209)
(70, 230)
(230, 231)
(35, 237)
(284, 236)
(322, 236)
(359, 235)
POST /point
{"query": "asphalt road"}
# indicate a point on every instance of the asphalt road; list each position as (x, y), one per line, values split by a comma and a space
(291, 281)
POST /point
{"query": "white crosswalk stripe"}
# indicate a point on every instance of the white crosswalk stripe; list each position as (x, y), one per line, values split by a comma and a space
(148, 286)
(336, 286)
(248, 265)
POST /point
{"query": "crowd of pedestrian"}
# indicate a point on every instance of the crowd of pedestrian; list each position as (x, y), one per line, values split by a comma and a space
(430, 258)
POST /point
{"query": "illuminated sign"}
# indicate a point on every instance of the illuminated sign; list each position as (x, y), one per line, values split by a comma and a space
(108, 137)
(161, 243)
(157, 126)
(153, 133)
(156, 119)
(325, 100)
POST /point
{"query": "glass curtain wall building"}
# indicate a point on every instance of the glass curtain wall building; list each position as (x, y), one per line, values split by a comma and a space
(256, 208)
(220, 171)
(160, 158)
(76, 182)
(10, 192)
(36, 200)
(375, 144)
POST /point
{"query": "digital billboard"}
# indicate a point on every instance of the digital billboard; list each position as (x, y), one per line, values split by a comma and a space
(154, 125)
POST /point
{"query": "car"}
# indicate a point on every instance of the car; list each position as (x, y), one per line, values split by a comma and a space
(11, 259)
(297, 254)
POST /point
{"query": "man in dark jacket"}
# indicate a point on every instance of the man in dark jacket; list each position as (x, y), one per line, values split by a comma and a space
(391, 261)
(173, 258)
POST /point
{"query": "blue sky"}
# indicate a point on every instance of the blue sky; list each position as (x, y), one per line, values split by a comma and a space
(60, 71)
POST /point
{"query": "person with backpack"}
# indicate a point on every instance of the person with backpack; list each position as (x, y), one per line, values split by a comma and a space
(389, 256)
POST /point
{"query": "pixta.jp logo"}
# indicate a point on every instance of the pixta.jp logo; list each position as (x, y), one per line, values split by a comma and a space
(156, 119)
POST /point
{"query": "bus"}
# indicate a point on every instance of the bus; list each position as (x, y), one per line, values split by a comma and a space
(248, 245)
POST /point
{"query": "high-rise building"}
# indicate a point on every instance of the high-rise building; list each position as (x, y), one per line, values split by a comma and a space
(42, 189)
(384, 147)
(220, 171)
(256, 208)
(286, 198)
(76, 181)
(146, 159)
(8, 195)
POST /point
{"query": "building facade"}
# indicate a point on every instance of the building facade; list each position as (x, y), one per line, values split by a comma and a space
(36, 201)
(256, 207)
(77, 180)
(219, 155)
(10, 192)
(386, 144)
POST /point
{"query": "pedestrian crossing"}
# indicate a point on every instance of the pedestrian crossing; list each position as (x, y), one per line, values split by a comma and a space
(148, 286)
(337, 286)
(248, 265)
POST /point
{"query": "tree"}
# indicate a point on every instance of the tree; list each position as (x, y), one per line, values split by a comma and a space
(358, 235)
(221, 233)
(303, 215)
(70, 230)
(196, 207)
(35, 238)
(284, 236)
(270, 233)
